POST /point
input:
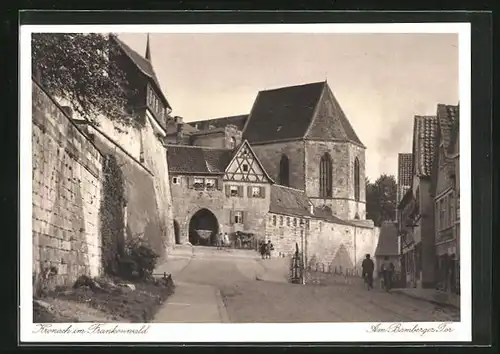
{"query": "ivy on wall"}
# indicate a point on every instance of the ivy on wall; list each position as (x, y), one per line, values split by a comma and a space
(112, 215)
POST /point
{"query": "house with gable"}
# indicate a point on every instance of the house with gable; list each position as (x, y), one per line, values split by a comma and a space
(445, 191)
(217, 190)
(138, 148)
(417, 208)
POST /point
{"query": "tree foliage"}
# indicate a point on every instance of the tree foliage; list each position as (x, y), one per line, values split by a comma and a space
(381, 199)
(80, 69)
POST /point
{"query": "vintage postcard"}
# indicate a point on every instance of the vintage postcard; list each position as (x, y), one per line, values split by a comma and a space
(300, 181)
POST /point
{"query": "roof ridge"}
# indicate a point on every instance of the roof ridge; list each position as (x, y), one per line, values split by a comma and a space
(209, 119)
(293, 86)
(197, 147)
(296, 189)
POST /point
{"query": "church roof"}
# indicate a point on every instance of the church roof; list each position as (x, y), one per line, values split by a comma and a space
(287, 113)
(143, 64)
(289, 201)
(196, 159)
(388, 240)
(424, 144)
(283, 113)
(239, 121)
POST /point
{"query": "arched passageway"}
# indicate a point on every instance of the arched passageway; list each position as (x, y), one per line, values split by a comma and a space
(177, 233)
(203, 228)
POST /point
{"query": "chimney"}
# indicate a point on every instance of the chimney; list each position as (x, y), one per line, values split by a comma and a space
(180, 133)
(178, 120)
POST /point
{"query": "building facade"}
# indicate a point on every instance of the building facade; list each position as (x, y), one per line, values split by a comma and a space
(217, 190)
(446, 199)
(417, 208)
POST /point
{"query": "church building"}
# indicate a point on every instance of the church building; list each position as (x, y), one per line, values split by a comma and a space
(291, 171)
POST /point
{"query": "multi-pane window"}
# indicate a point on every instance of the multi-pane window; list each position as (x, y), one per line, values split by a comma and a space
(199, 183)
(210, 183)
(176, 180)
(288, 221)
(356, 180)
(441, 214)
(255, 191)
(294, 221)
(274, 220)
(281, 221)
(234, 191)
(238, 217)
(325, 176)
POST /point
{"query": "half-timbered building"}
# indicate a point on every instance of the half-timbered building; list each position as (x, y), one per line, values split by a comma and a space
(217, 190)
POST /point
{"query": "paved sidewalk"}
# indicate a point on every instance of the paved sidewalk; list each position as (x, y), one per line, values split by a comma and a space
(178, 259)
(430, 295)
(193, 303)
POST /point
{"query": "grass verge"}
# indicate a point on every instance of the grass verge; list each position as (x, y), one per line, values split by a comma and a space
(107, 301)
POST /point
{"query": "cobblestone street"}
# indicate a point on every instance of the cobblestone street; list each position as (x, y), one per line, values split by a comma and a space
(248, 300)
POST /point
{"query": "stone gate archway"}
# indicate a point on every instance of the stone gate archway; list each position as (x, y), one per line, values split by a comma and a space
(203, 228)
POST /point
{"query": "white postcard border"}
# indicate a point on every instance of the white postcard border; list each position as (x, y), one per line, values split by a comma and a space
(299, 332)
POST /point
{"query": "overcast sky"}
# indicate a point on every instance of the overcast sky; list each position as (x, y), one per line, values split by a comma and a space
(380, 80)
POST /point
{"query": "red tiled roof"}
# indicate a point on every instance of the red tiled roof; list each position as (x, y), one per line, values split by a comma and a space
(455, 131)
(197, 159)
(290, 201)
(424, 143)
(446, 117)
(388, 240)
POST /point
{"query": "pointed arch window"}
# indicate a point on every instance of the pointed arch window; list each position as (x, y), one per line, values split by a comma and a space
(284, 175)
(356, 179)
(325, 176)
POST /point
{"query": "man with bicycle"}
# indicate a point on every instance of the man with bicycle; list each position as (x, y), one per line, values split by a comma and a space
(367, 267)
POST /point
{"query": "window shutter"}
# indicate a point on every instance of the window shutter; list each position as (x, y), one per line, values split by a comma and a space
(240, 191)
(231, 217)
(249, 191)
(262, 192)
(244, 215)
(228, 191)
(190, 182)
(219, 183)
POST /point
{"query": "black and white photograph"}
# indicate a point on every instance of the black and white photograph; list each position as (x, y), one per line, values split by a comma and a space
(251, 175)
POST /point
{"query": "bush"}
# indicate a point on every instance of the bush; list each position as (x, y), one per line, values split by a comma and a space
(139, 260)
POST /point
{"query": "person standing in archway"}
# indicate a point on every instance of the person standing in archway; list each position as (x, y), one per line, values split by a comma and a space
(219, 240)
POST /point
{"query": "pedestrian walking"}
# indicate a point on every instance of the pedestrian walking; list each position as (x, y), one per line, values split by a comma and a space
(367, 267)
(387, 271)
(269, 249)
(263, 248)
(226, 239)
